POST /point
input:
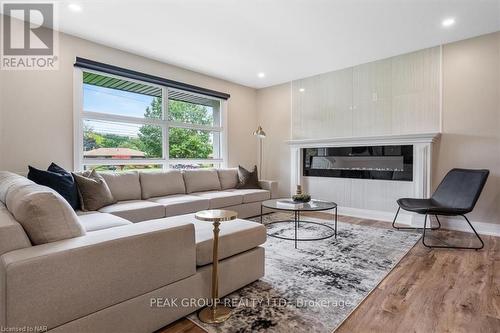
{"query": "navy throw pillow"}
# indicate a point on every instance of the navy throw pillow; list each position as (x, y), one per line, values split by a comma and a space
(59, 180)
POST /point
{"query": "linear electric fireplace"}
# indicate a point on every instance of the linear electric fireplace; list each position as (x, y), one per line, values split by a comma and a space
(365, 162)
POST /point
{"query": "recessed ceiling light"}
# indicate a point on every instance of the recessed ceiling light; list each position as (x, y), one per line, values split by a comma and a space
(448, 22)
(261, 75)
(75, 7)
(302, 90)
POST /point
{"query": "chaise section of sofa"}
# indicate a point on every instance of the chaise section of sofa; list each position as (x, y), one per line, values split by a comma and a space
(54, 283)
(235, 237)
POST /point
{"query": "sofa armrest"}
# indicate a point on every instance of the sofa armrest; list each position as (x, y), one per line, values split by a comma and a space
(55, 283)
(271, 186)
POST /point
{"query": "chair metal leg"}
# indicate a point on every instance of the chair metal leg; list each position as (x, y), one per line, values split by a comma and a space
(439, 222)
(412, 228)
(453, 247)
(423, 234)
(395, 217)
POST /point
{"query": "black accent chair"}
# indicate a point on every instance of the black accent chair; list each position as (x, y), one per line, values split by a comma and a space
(456, 195)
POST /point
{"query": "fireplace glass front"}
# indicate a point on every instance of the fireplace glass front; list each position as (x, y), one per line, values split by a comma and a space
(366, 162)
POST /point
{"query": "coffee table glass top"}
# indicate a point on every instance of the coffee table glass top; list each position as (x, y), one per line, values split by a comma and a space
(289, 204)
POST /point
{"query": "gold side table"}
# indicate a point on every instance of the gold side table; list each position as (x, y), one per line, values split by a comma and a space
(215, 313)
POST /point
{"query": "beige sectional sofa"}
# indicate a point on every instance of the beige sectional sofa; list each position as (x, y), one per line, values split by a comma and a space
(111, 278)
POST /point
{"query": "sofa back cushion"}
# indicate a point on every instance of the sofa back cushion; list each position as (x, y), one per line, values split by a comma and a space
(9, 180)
(201, 180)
(44, 214)
(123, 185)
(159, 184)
(12, 235)
(228, 178)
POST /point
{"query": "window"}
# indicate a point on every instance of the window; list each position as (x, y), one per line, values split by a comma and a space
(123, 124)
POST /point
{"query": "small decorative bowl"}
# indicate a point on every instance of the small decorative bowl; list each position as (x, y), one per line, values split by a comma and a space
(301, 197)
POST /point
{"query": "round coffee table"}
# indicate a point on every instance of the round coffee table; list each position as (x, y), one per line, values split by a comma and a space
(290, 206)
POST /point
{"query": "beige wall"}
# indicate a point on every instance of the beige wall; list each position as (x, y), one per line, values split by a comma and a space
(471, 116)
(470, 119)
(273, 105)
(37, 107)
(1, 120)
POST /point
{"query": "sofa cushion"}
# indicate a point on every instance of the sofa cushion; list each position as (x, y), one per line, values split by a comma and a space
(228, 178)
(92, 221)
(135, 210)
(201, 180)
(180, 204)
(235, 237)
(123, 185)
(43, 213)
(158, 184)
(220, 199)
(252, 195)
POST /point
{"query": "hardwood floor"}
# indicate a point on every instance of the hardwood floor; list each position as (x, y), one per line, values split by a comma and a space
(428, 291)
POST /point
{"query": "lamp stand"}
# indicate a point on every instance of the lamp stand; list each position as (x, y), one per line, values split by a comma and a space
(260, 159)
(260, 134)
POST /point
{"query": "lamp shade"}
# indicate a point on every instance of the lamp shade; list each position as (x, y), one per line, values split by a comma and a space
(260, 132)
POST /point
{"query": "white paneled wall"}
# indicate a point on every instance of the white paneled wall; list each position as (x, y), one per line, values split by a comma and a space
(399, 95)
(395, 96)
(321, 105)
(372, 99)
(416, 92)
(378, 195)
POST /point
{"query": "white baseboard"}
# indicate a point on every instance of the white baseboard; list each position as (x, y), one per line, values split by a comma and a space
(376, 215)
(451, 223)
(459, 224)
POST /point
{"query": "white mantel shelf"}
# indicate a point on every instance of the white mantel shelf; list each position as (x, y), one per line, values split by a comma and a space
(368, 140)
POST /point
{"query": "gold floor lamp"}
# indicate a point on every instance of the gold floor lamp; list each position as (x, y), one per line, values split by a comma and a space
(260, 134)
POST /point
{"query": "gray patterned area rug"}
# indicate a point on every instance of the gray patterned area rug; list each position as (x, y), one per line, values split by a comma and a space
(315, 287)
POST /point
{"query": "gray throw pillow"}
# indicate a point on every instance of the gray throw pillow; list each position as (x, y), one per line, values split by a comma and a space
(93, 190)
(247, 179)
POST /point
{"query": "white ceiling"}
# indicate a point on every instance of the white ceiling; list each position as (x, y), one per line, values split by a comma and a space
(285, 39)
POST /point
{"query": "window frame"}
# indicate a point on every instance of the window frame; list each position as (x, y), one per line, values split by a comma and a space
(80, 115)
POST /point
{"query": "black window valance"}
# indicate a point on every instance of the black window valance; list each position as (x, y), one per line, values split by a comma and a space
(127, 73)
